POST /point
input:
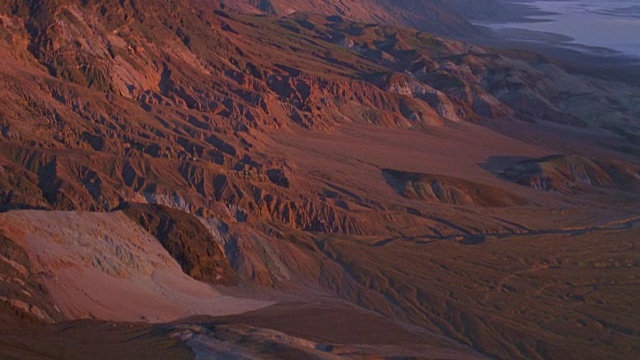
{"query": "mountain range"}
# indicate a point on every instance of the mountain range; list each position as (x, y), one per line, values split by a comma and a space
(319, 179)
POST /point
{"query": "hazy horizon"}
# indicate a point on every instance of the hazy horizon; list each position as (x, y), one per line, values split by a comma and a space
(612, 24)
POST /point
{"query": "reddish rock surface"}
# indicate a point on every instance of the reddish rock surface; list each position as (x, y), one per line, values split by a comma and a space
(466, 202)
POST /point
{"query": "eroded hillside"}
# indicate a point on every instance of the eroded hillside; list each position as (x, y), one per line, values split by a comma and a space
(462, 201)
(133, 103)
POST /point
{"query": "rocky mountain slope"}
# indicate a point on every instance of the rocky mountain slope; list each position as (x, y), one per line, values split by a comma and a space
(573, 173)
(104, 266)
(436, 16)
(187, 240)
(128, 105)
(207, 161)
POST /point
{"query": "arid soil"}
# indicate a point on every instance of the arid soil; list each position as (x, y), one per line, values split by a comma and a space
(25, 339)
(175, 183)
(104, 266)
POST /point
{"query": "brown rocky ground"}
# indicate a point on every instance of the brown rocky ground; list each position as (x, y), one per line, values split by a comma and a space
(25, 339)
(462, 201)
(120, 118)
(104, 266)
(187, 240)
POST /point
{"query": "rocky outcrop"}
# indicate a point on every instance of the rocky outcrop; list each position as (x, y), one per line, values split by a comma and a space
(187, 240)
(571, 174)
(449, 190)
(21, 289)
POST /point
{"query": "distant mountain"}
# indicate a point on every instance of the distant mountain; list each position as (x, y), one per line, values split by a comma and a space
(429, 15)
(479, 9)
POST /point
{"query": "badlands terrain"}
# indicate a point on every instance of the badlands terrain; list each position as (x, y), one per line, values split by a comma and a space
(323, 180)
